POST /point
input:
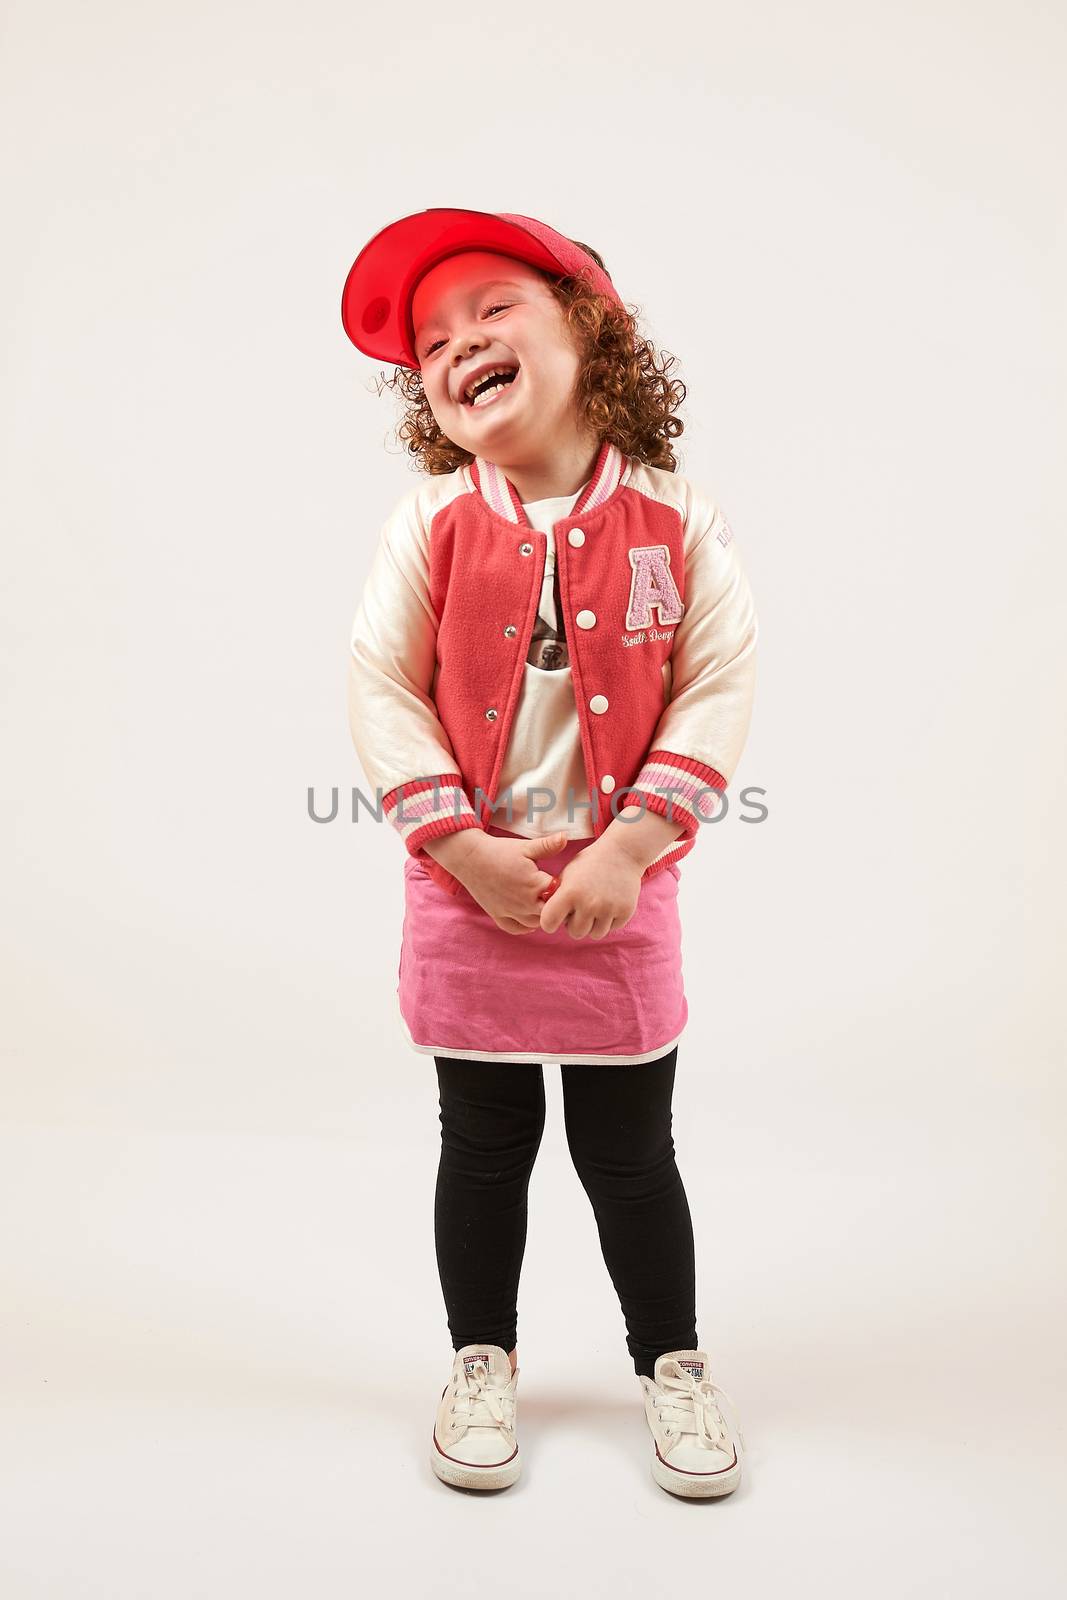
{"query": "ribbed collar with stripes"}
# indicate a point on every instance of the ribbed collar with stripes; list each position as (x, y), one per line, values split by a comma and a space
(501, 495)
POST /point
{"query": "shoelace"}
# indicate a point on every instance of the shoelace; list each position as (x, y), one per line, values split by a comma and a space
(684, 1399)
(499, 1401)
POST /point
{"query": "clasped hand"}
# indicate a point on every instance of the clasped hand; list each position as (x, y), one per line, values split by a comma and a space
(596, 893)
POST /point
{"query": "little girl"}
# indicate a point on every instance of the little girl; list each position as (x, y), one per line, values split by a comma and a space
(551, 678)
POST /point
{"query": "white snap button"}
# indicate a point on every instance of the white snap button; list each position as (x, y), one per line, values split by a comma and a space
(526, 549)
(491, 713)
(599, 702)
(576, 537)
(607, 783)
(510, 631)
(586, 619)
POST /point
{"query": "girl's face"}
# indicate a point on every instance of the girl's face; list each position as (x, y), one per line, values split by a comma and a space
(479, 310)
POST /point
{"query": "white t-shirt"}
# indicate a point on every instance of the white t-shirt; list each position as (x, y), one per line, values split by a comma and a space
(544, 750)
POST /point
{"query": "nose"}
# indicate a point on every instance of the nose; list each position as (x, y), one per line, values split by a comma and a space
(464, 345)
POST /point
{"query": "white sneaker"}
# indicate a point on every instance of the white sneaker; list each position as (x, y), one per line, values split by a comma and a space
(697, 1454)
(474, 1443)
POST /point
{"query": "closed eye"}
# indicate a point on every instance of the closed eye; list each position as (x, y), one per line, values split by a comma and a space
(488, 311)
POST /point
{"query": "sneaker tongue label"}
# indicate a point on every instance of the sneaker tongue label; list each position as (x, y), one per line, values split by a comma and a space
(469, 1362)
(693, 1367)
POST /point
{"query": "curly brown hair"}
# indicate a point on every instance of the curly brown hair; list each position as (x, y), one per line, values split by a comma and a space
(622, 393)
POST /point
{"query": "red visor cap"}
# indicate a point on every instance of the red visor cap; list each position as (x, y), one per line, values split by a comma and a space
(376, 303)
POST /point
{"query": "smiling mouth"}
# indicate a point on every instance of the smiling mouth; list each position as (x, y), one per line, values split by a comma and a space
(492, 395)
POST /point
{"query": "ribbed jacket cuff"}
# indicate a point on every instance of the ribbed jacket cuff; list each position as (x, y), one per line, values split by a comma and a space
(677, 787)
(427, 808)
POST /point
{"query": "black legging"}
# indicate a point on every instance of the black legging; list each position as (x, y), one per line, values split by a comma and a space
(618, 1124)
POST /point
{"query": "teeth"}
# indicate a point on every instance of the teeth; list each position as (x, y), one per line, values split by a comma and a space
(490, 374)
(485, 394)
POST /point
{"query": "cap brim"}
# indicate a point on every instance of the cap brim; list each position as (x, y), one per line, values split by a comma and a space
(377, 294)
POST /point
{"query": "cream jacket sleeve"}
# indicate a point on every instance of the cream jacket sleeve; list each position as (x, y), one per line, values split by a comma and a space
(402, 747)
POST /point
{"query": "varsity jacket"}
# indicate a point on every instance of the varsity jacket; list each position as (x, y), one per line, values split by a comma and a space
(661, 635)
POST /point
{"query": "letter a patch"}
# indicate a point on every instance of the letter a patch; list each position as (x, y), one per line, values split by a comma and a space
(652, 585)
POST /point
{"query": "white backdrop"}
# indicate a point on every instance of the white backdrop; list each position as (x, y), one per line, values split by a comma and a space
(225, 1335)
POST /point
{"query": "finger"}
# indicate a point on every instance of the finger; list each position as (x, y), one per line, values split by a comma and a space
(529, 919)
(550, 845)
(557, 908)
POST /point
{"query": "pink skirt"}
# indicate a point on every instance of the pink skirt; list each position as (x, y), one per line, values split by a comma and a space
(466, 988)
